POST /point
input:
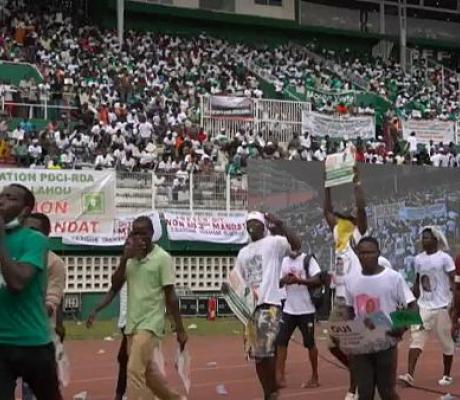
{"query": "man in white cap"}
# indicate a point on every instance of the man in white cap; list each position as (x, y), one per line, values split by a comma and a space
(433, 283)
(259, 265)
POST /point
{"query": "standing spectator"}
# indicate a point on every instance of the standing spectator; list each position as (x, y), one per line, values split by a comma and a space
(26, 347)
(35, 152)
(412, 139)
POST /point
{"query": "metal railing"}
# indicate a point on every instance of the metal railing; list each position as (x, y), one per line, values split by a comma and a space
(275, 119)
(40, 110)
(138, 192)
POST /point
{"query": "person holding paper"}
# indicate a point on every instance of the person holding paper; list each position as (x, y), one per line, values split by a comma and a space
(259, 266)
(347, 230)
(434, 282)
(371, 297)
(148, 271)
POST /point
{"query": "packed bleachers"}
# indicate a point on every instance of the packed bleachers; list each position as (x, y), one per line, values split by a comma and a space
(137, 106)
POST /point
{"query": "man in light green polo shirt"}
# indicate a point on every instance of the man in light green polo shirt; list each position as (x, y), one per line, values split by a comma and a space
(149, 273)
(26, 347)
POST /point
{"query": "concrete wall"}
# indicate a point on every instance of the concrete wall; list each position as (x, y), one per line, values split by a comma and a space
(248, 7)
(348, 19)
(242, 7)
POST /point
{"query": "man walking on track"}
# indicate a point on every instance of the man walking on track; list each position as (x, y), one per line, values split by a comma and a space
(149, 273)
(26, 347)
(298, 273)
(259, 265)
(376, 292)
(434, 281)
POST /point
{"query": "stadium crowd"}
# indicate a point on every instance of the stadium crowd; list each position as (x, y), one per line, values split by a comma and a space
(137, 106)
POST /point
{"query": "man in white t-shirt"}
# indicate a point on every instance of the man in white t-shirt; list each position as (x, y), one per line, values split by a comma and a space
(299, 272)
(433, 286)
(412, 140)
(376, 290)
(259, 265)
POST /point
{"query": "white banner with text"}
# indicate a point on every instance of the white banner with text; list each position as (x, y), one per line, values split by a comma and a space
(211, 226)
(337, 127)
(121, 228)
(426, 130)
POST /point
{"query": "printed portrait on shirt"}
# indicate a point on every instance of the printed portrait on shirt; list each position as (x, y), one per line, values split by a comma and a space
(252, 274)
(428, 284)
(342, 265)
(367, 305)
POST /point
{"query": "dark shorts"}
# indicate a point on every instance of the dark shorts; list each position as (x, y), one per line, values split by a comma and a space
(262, 331)
(376, 371)
(306, 325)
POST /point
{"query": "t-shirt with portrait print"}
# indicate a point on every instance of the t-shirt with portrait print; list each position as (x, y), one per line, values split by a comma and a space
(374, 298)
(259, 264)
(434, 283)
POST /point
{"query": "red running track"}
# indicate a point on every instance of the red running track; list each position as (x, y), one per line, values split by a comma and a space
(94, 369)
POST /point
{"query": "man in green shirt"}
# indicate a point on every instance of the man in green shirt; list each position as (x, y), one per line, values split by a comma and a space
(149, 273)
(26, 347)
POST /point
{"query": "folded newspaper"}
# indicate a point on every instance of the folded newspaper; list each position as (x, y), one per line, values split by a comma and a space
(183, 366)
(239, 297)
(339, 167)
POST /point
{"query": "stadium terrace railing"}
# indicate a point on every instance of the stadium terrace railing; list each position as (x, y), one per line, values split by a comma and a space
(43, 110)
(275, 119)
(137, 192)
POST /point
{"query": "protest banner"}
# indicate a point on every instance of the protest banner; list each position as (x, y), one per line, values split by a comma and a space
(337, 127)
(345, 97)
(430, 211)
(339, 167)
(226, 106)
(426, 130)
(77, 202)
(121, 227)
(214, 227)
(385, 212)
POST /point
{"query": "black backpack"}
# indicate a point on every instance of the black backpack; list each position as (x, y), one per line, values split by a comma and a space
(317, 293)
